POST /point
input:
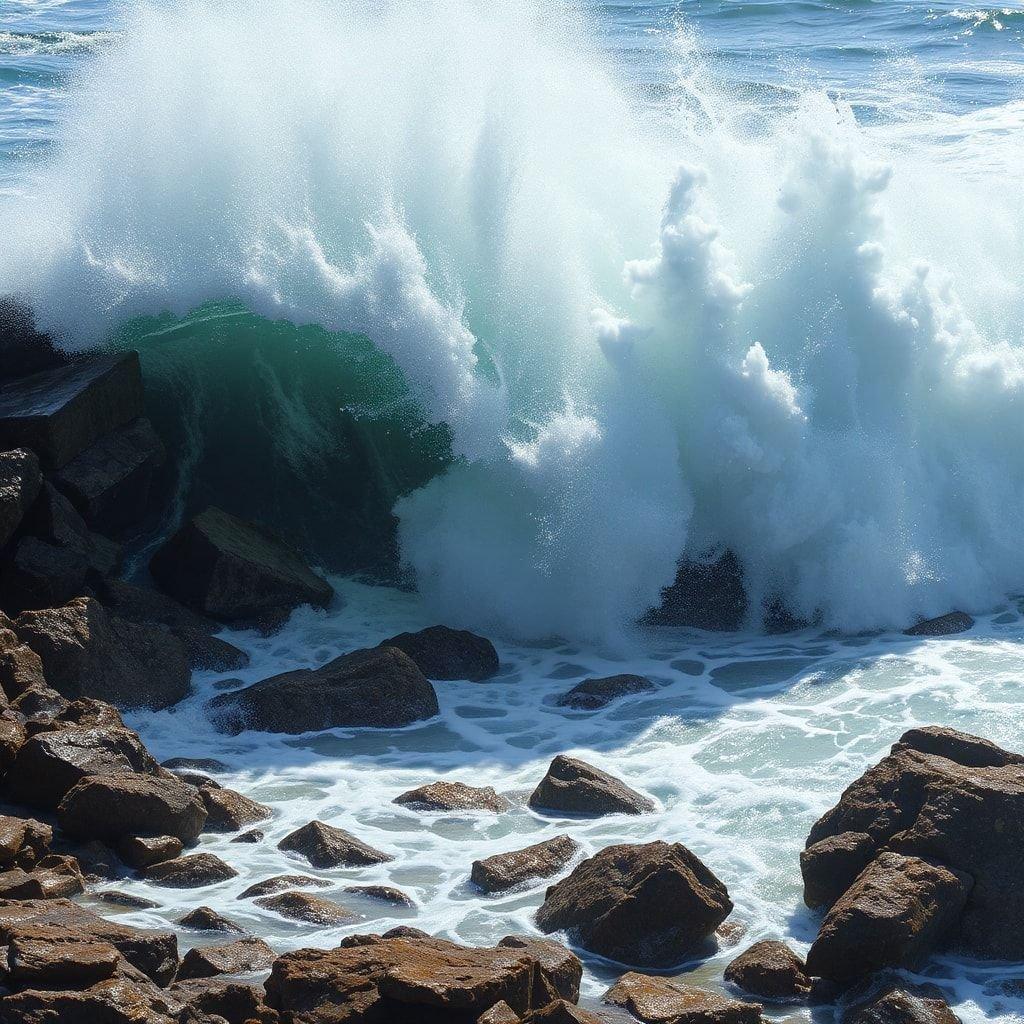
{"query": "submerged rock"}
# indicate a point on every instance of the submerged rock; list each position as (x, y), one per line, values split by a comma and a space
(575, 787)
(453, 796)
(770, 970)
(325, 846)
(380, 688)
(649, 905)
(203, 919)
(503, 871)
(383, 893)
(443, 653)
(228, 811)
(20, 481)
(301, 906)
(234, 570)
(592, 694)
(190, 872)
(942, 625)
(667, 1001)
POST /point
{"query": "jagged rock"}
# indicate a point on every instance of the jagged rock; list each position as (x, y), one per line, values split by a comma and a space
(453, 796)
(23, 841)
(144, 851)
(443, 653)
(155, 953)
(20, 667)
(45, 881)
(830, 865)
(12, 737)
(50, 763)
(281, 882)
(38, 574)
(242, 956)
(199, 764)
(53, 518)
(235, 1002)
(771, 970)
(228, 811)
(23, 349)
(505, 870)
(232, 570)
(325, 846)
(705, 595)
(666, 1001)
(499, 1013)
(49, 957)
(922, 800)
(380, 688)
(562, 1012)
(39, 707)
(896, 1002)
(650, 905)
(60, 412)
(300, 906)
(592, 694)
(942, 625)
(117, 898)
(110, 807)
(85, 712)
(203, 919)
(116, 1000)
(561, 971)
(383, 893)
(86, 652)
(253, 835)
(895, 914)
(20, 481)
(190, 872)
(572, 786)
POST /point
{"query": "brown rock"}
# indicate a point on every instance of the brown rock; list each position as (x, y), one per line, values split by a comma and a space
(443, 653)
(20, 481)
(12, 736)
(41, 883)
(235, 1002)
(242, 956)
(453, 796)
(562, 1012)
(651, 905)
(899, 1003)
(252, 835)
(572, 786)
(592, 694)
(23, 841)
(20, 667)
(327, 847)
(665, 1001)
(190, 872)
(499, 1013)
(117, 898)
(383, 893)
(560, 971)
(503, 871)
(281, 882)
(228, 811)
(300, 906)
(49, 957)
(203, 919)
(142, 851)
(117, 1000)
(771, 970)
(40, 574)
(830, 865)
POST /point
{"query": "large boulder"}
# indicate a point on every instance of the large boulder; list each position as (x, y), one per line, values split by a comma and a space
(110, 807)
(896, 1002)
(706, 594)
(504, 871)
(649, 905)
(452, 796)
(233, 570)
(116, 1000)
(443, 653)
(228, 811)
(213, 998)
(49, 957)
(325, 846)
(242, 956)
(896, 913)
(20, 481)
(954, 800)
(60, 412)
(560, 973)
(667, 1001)
(572, 786)
(830, 865)
(190, 872)
(301, 906)
(770, 970)
(381, 688)
(39, 574)
(593, 694)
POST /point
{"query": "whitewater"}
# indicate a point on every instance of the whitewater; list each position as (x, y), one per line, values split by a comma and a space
(619, 283)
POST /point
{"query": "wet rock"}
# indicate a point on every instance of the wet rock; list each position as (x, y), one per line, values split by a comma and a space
(383, 893)
(281, 882)
(666, 1001)
(60, 412)
(381, 688)
(503, 871)
(203, 919)
(38, 574)
(830, 865)
(155, 953)
(20, 481)
(242, 956)
(559, 971)
(20, 667)
(49, 957)
(706, 594)
(942, 625)
(572, 786)
(592, 694)
(325, 846)
(23, 349)
(301, 906)
(86, 652)
(253, 835)
(453, 796)
(199, 764)
(899, 1003)
(235, 1002)
(770, 970)
(959, 747)
(116, 1000)
(117, 898)
(144, 851)
(42, 882)
(651, 905)
(23, 841)
(443, 653)
(39, 708)
(228, 811)
(111, 807)
(233, 570)
(895, 914)
(191, 871)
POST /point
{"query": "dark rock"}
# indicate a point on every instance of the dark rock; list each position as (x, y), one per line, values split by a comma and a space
(23, 349)
(110, 807)
(203, 919)
(770, 970)
(235, 1002)
(86, 652)
(229, 569)
(60, 412)
(228, 811)
(111, 482)
(560, 971)
(54, 519)
(443, 653)
(830, 865)
(154, 953)
(281, 882)
(960, 747)
(499, 1013)
(38, 574)
(562, 1012)
(453, 796)
(383, 893)
(301, 906)
(197, 779)
(572, 786)
(899, 1003)
(503, 871)
(381, 688)
(190, 872)
(943, 625)
(254, 835)
(592, 694)
(896, 913)
(12, 736)
(117, 898)
(199, 764)
(325, 846)
(116, 1000)
(667, 1001)
(23, 842)
(705, 595)
(651, 905)
(20, 667)
(20, 481)
(49, 957)
(144, 851)
(242, 956)
(39, 708)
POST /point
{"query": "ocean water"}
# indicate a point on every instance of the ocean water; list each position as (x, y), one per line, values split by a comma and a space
(604, 284)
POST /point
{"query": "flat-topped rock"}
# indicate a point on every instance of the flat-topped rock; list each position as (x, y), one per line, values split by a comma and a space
(233, 570)
(443, 653)
(49, 957)
(43, 882)
(453, 796)
(771, 970)
(381, 688)
(302, 906)
(325, 846)
(20, 481)
(116, 1000)
(667, 1001)
(190, 872)
(504, 871)
(242, 956)
(596, 693)
(572, 786)
(144, 851)
(23, 841)
(942, 625)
